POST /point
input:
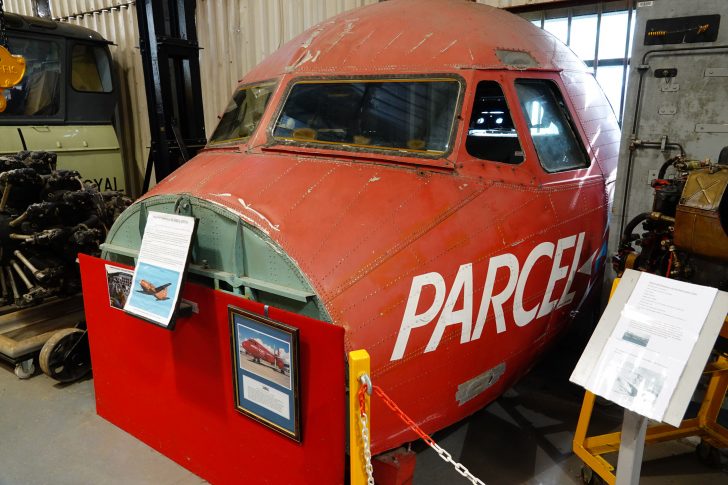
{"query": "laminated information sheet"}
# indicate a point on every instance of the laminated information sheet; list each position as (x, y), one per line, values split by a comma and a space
(160, 267)
(644, 357)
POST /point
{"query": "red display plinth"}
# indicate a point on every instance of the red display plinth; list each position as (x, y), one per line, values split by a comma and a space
(174, 389)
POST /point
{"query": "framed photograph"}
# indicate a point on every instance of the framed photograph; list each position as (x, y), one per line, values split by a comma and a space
(265, 371)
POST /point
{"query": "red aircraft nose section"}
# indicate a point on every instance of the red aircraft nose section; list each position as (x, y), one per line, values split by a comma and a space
(453, 267)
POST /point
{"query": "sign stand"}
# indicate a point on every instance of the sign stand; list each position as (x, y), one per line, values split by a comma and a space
(589, 373)
(629, 463)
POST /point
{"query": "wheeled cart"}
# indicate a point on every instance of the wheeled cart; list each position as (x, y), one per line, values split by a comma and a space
(24, 332)
(713, 435)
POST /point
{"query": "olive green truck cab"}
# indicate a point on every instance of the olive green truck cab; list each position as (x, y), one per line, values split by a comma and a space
(65, 103)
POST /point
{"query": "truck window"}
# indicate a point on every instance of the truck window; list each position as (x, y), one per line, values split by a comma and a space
(38, 94)
(391, 114)
(550, 124)
(491, 133)
(90, 70)
(243, 113)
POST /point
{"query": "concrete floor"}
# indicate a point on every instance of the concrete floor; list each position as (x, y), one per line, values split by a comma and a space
(51, 435)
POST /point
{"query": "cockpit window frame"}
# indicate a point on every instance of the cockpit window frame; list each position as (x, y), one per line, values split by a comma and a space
(371, 149)
(503, 85)
(568, 117)
(275, 83)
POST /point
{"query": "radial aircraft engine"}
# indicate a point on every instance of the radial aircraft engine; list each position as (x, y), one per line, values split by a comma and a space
(440, 189)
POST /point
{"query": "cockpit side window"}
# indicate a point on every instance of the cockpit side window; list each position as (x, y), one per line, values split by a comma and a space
(38, 94)
(90, 69)
(403, 115)
(552, 129)
(491, 132)
(242, 115)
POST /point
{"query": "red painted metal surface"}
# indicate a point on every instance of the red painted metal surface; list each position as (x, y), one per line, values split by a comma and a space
(174, 389)
(395, 467)
(362, 227)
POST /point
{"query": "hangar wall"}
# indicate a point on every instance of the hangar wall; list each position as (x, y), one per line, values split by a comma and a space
(234, 35)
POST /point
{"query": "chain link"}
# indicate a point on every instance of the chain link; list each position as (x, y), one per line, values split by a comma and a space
(363, 419)
(3, 26)
(459, 467)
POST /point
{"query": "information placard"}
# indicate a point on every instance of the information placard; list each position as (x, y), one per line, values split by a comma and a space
(650, 345)
(160, 268)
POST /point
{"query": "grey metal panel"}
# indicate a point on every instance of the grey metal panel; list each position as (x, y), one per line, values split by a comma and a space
(688, 109)
(711, 128)
(716, 72)
(226, 252)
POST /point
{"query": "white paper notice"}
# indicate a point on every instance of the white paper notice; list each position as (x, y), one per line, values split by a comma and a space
(644, 357)
(262, 395)
(160, 267)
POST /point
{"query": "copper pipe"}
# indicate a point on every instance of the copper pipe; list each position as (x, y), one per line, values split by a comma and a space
(3, 284)
(19, 270)
(19, 219)
(25, 261)
(16, 294)
(6, 194)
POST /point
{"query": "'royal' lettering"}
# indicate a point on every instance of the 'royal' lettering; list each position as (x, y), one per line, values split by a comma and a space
(504, 266)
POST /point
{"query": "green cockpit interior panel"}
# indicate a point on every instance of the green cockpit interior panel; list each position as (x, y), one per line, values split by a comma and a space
(227, 254)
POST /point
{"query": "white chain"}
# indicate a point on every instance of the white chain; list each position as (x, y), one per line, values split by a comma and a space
(367, 452)
(459, 467)
(447, 457)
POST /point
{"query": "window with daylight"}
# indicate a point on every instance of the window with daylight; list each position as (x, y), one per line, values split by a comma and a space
(243, 113)
(600, 34)
(551, 128)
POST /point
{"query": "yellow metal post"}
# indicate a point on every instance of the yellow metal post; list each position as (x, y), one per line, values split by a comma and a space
(358, 366)
(615, 283)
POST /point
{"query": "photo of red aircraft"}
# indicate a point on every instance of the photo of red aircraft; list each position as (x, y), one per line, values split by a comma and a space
(158, 292)
(260, 354)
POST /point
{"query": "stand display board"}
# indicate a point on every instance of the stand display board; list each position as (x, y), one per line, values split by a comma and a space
(174, 390)
(160, 268)
(651, 344)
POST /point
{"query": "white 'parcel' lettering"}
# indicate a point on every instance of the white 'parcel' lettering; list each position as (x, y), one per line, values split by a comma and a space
(514, 290)
(411, 319)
